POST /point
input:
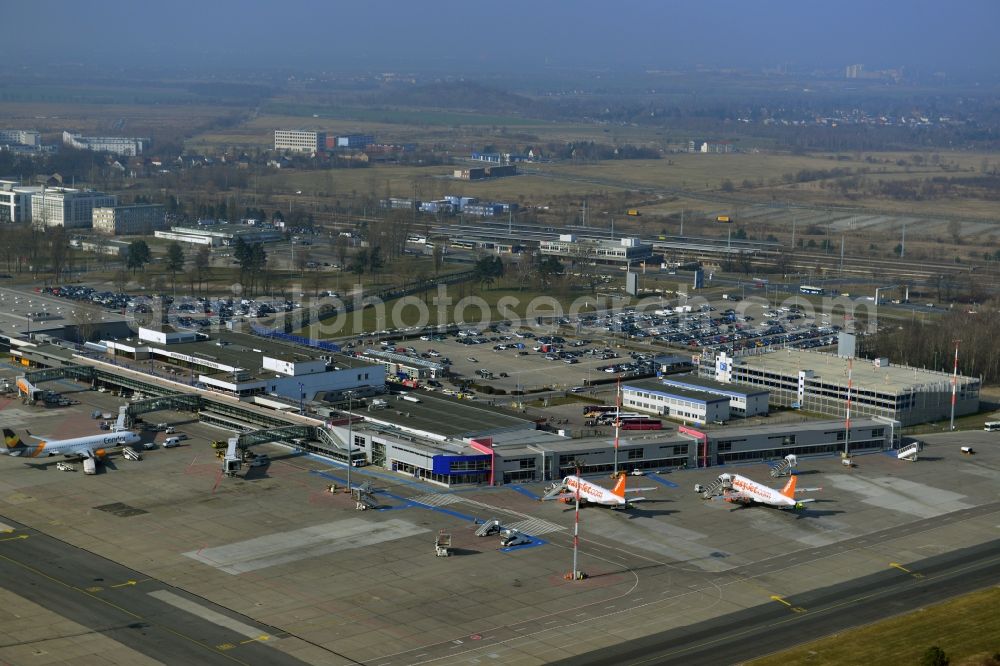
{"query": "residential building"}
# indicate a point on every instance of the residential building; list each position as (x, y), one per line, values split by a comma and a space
(67, 207)
(20, 137)
(119, 145)
(128, 220)
(818, 382)
(299, 141)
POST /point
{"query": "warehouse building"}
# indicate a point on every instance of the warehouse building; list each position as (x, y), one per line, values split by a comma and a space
(681, 404)
(818, 382)
(222, 234)
(742, 402)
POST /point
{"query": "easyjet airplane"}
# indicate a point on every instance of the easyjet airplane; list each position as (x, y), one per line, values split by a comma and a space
(89, 446)
(741, 490)
(591, 493)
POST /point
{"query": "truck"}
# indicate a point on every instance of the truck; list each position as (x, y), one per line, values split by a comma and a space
(442, 544)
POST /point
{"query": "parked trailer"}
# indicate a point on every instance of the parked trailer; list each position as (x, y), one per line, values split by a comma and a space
(442, 545)
(89, 466)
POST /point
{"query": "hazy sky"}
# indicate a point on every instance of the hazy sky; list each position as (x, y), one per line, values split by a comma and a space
(467, 35)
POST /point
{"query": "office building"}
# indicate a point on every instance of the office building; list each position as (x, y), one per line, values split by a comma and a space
(67, 207)
(15, 201)
(354, 141)
(299, 141)
(222, 234)
(128, 220)
(20, 137)
(681, 404)
(743, 402)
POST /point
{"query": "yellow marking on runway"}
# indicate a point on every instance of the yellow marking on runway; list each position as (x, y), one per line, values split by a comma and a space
(897, 565)
(262, 637)
(781, 600)
(96, 588)
(16, 538)
(125, 584)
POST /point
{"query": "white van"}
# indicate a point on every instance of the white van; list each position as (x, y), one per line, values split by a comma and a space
(171, 442)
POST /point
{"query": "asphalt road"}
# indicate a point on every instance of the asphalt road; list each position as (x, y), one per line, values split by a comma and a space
(146, 615)
(767, 629)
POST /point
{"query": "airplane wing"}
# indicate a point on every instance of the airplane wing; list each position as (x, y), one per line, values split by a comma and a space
(808, 490)
(38, 437)
(804, 501)
(639, 490)
(633, 500)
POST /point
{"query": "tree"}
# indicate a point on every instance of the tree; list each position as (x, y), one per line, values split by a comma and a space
(202, 259)
(359, 263)
(438, 257)
(548, 268)
(138, 256)
(487, 270)
(175, 262)
(340, 250)
(934, 656)
(58, 250)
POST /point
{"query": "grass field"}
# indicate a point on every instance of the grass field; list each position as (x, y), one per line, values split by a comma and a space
(963, 627)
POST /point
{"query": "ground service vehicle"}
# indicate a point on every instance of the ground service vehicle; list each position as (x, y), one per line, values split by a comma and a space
(991, 426)
(89, 466)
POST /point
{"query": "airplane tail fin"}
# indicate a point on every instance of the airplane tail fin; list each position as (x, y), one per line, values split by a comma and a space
(12, 441)
(619, 488)
(789, 489)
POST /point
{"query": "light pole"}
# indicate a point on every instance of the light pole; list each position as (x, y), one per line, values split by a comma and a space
(302, 397)
(350, 436)
(954, 387)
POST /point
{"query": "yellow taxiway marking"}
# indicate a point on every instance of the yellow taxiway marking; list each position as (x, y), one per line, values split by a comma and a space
(781, 600)
(897, 565)
(16, 538)
(262, 637)
(96, 588)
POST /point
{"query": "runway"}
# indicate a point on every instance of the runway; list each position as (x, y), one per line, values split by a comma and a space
(146, 615)
(763, 630)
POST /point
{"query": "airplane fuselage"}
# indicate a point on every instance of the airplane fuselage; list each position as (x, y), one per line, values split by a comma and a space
(748, 491)
(87, 446)
(591, 493)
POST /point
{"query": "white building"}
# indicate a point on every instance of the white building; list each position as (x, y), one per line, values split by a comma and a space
(15, 201)
(299, 141)
(246, 365)
(222, 234)
(119, 145)
(125, 220)
(697, 407)
(625, 250)
(66, 207)
(20, 137)
(743, 402)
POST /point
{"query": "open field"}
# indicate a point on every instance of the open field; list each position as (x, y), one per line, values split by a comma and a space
(960, 627)
(139, 119)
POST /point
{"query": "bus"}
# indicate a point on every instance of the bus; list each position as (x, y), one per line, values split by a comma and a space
(641, 423)
(608, 418)
(597, 410)
(991, 426)
(815, 291)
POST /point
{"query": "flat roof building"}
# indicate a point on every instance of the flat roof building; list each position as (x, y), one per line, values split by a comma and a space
(128, 220)
(681, 404)
(15, 201)
(67, 207)
(299, 141)
(743, 402)
(246, 365)
(119, 145)
(222, 234)
(622, 251)
(818, 382)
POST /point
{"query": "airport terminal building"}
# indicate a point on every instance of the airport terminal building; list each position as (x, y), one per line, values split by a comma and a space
(818, 382)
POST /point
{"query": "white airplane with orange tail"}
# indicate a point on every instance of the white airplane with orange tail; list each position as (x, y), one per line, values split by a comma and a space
(591, 493)
(88, 446)
(741, 490)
